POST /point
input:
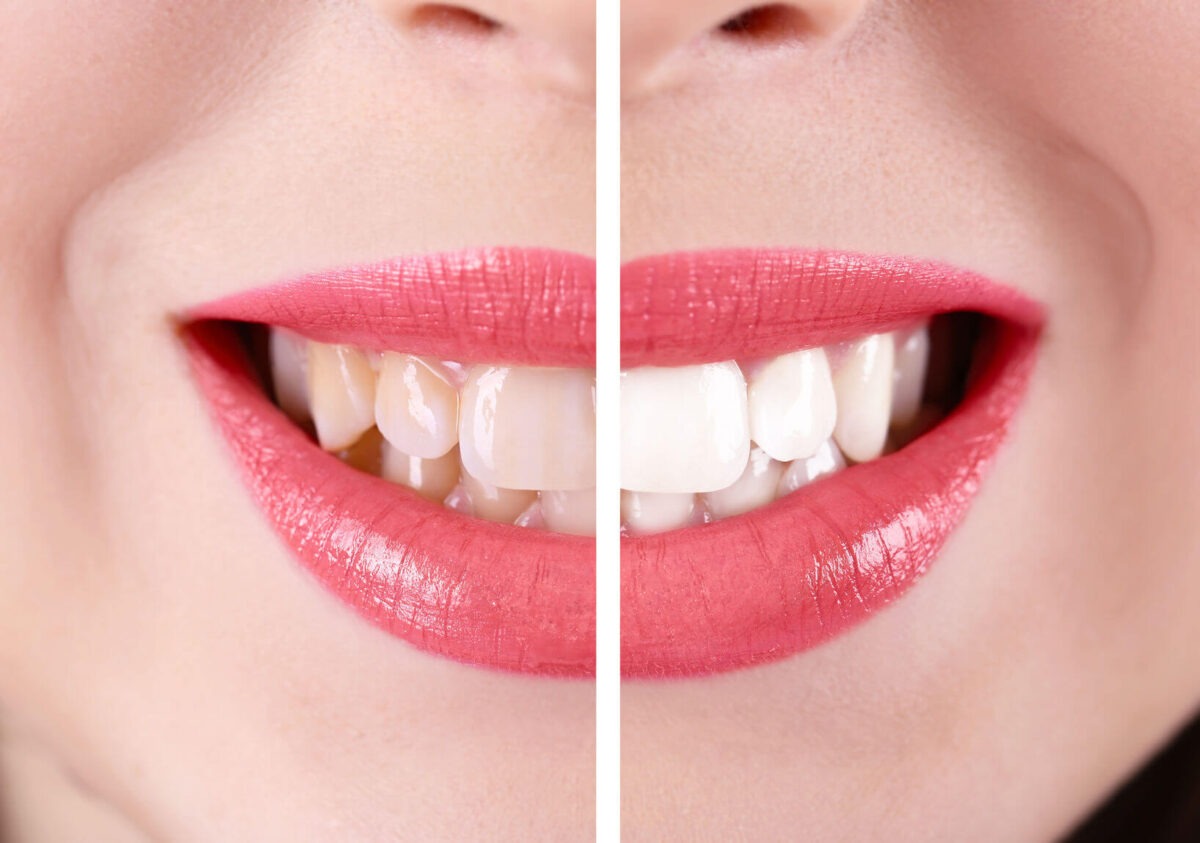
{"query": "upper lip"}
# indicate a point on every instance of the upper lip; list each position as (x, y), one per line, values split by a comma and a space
(479, 592)
(789, 575)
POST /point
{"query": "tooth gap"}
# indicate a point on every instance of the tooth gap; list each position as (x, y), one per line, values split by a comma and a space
(451, 19)
(772, 23)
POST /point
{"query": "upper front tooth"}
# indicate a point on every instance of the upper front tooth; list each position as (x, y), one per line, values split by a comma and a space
(289, 373)
(416, 406)
(683, 429)
(863, 385)
(341, 387)
(529, 428)
(792, 405)
(912, 359)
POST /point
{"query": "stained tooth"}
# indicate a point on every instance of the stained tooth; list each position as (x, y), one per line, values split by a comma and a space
(826, 460)
(494, 503)
(430, 478)
(754, 488)
(529, 428)
(289, 373)
(341, 387)
(652, 512)
(863, 385)
(570, 511)
(366, 454)
(683, 429)
(912, 358)
(416, 406)
(792, 406)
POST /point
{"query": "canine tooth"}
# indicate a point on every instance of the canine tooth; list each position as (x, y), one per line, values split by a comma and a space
(341, 387)
(792, 405)
(430, 478)
(863, 385)
(826, 460)
(570, 511)
(416, 406)
(684, 429)
(529, 428)
(754, 488)
(494, 503)
(912, 359)
(289, 373)
(655, 512)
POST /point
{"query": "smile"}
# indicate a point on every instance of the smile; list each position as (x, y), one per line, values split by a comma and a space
(435, 498)
(788, 467)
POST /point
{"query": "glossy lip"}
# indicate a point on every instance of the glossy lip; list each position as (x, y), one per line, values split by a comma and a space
(487, 594)
(815, 563)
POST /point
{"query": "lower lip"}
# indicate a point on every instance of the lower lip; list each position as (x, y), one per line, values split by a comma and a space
(486, 594)
(815, 563)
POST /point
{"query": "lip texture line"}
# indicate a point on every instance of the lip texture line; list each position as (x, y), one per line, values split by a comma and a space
(812, 564)
(479, 592)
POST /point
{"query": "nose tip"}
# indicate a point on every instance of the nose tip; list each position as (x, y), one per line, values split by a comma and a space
(550, 43)
(653, 32)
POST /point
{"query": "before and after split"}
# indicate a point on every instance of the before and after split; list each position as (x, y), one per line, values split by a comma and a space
(538, 420)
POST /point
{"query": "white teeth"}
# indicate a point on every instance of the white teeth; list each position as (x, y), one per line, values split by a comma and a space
(494, 503)
(430, 478)
(863, 385)
(341, 388)
(826, 460)
(289, 373)
(529, 428)
(683, 429)
(756, 487)
(570, 511)
(912, 359)
(792, 405)
(651, 512)
(416, 406)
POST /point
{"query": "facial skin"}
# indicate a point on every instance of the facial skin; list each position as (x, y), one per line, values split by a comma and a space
(157, 642)
(1051, 648)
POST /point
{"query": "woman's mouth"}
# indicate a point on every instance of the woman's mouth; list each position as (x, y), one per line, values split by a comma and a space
(801, 431)
(421, 433)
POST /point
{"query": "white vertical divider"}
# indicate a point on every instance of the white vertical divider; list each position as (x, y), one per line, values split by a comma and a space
(608, 382)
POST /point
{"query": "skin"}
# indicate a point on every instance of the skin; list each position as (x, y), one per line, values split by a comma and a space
(1051, 648)
(167, 670)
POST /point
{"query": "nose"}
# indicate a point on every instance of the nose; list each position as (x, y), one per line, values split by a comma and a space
(654, 31)
(549, 42)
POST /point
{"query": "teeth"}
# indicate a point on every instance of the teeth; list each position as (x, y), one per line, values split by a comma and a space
(826, 460)
(432, 478)
(756, 487)
(416, 406)
(792, 405)
(289, 373)
(653, 512)
(570, 511)
(341, 387)
(683, 429)
(494, 503)
(863, 385)
(529, 428)
(912, 359)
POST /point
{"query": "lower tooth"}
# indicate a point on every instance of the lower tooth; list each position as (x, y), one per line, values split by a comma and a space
(365, 454)
(756, 487)
(570, 512)
(341, 388)
(656, 512)
(433, 479)
(826, 460)
(493, 503)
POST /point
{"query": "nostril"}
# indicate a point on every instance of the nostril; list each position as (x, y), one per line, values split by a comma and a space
(451, 19)
(774, 23)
